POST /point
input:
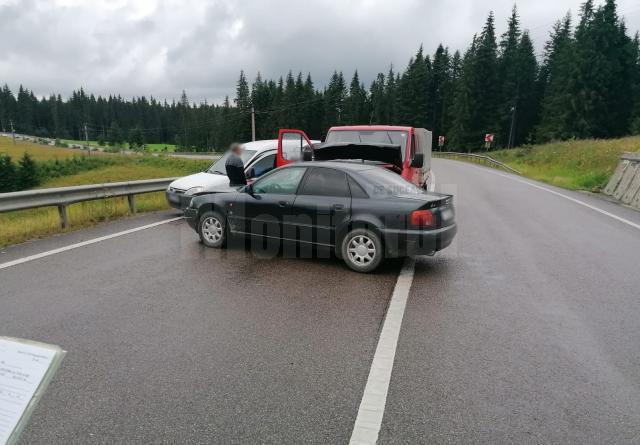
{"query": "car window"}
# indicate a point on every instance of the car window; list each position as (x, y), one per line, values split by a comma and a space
(264, 165)
(219, 166)
(293, 145)
(326, 182)
(356, 189)
(281, 182)
(382, 182)
(395, 137)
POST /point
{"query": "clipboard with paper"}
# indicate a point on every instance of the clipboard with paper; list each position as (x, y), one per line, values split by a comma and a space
(26, 368)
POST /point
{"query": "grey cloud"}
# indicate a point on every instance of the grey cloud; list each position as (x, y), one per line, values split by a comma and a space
(159, 48)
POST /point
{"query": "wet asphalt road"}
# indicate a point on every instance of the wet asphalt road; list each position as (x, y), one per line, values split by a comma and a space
(525, 330)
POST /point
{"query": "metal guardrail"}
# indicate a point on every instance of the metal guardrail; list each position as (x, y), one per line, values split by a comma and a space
(479, 158)
(61, 197)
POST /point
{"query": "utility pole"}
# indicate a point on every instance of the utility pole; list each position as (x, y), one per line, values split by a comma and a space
(514, 110)
(13, 131)
(86, 138)
(253, 124)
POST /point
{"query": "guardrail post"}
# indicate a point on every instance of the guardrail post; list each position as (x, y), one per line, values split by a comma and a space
(64, 219)
(132, 203)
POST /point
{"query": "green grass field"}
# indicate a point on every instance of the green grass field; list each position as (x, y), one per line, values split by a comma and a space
(38, 152)
(575, 165)
(160, 147)
(80, 142)
(150, 147)
(24, 225)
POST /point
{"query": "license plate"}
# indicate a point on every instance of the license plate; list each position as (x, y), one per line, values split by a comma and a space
(173, 198)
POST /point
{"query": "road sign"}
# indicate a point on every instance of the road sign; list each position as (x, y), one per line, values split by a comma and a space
(488, 137)
(441, 141)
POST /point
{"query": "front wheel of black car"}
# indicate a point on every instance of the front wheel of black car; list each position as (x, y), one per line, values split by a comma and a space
(362, 250)
(212, 229)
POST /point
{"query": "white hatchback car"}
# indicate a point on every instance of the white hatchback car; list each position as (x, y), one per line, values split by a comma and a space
(258, 157)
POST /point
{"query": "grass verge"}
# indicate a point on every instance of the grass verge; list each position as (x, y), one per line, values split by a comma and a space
(574, 165)
(24, 225)
(17, 227)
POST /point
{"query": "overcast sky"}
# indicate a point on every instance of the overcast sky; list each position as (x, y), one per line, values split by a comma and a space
(159, 48)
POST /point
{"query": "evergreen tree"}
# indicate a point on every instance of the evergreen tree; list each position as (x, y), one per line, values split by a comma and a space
(8, 174)
(412, 92)
(462, 135)
(455, 73)
(509, 72)
(556, 82)
(243, 106)
(527, 106)
(356, 103)
(27, 173)
(587, 85)
(136, 138)
(391, 99)
(485, 84)
(378, 100)
(335, 95)
(182, 139)
(613, 74)
(635, 118)
(115, 134)
(439, 91)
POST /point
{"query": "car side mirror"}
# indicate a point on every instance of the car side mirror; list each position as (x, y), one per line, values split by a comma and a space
(251, 173)
(417, 161)
(307, 155)
(248, 189)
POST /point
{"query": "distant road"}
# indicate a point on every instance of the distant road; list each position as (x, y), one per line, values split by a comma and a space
(525, 330)
(204, 156)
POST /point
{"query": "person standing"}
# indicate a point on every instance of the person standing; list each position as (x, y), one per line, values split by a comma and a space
(235, 166)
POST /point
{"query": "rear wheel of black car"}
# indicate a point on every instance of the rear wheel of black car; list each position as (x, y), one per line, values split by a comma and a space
(212, 229)
(362, 250)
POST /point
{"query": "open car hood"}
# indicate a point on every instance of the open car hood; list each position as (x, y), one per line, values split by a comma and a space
(387, 153)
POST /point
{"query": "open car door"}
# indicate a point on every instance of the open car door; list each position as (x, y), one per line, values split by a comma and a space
(291, 146)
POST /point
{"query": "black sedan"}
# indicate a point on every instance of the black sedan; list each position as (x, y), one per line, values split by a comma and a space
(362, 212)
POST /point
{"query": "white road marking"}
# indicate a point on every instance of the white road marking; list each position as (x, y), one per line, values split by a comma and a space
(562, 195)
(83, 243)
(369, 418)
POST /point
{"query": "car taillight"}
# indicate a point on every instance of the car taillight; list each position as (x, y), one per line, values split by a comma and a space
(422, 218)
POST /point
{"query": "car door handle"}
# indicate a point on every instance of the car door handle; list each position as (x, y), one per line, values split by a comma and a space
(283, 203)
(338, 206)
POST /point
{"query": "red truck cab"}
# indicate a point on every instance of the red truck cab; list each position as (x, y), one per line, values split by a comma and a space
(405, 150)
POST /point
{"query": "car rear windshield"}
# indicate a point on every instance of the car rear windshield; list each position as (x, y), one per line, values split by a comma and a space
(218, 167)
(395, 137)
(382, 182)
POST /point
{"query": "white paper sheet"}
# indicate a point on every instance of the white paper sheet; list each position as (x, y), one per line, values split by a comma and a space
(22, 368)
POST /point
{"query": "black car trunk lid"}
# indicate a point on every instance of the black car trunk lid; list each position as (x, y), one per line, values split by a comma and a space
(385, 153)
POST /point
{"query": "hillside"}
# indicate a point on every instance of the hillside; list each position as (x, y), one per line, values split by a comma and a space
(577, 164)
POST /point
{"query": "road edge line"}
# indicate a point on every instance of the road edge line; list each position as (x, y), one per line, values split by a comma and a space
(562, 195)
(47, 253)
(374, 399)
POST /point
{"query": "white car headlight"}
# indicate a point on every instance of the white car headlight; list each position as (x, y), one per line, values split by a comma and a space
(194, 190)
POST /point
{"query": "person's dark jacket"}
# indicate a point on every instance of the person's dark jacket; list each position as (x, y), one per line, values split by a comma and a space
(235, 170)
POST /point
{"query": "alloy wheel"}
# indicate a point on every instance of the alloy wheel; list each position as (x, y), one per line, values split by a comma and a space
(212, 229)
(361, 250)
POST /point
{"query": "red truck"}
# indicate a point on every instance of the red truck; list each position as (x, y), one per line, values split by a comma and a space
(404, 150)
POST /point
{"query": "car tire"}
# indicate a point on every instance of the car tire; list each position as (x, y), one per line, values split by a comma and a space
(362, 250)
(212, 228)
